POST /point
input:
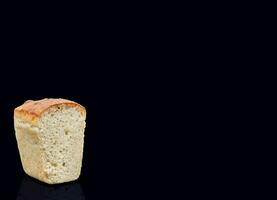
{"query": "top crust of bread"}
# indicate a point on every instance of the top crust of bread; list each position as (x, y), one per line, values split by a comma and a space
(32, 110)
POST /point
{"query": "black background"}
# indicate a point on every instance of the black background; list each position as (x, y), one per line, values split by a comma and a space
(113, 65)
(165, 109)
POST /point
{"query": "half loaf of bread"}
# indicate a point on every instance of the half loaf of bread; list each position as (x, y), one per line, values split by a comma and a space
(50, 138)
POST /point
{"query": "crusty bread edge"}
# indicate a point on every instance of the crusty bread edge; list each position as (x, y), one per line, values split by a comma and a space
(30, 114)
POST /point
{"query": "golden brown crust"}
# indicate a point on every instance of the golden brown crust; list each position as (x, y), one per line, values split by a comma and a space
(32, 110)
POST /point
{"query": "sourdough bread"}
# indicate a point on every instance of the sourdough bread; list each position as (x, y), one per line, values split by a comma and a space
(50, 138)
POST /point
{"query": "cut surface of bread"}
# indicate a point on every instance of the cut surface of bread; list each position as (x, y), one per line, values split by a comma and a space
(50, 138)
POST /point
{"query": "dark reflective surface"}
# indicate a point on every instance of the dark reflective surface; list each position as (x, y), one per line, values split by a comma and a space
(32, 189)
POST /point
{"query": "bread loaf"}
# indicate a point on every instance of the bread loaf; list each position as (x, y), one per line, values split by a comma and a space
(50, 137)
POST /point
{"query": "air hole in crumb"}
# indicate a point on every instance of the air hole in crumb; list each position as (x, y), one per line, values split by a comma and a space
(54, 164)
(63, 164)
(66, 132)
(55, 142)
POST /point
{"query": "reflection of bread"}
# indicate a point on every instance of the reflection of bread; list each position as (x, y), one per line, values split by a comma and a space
(31, 189)
(50, 135)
